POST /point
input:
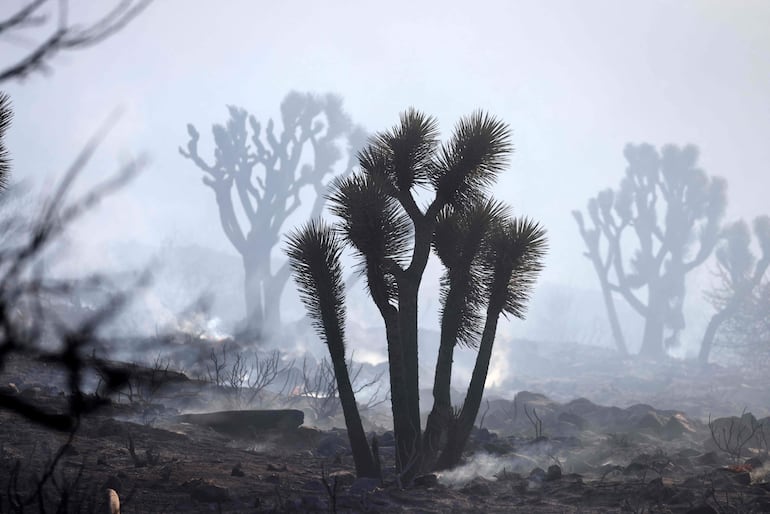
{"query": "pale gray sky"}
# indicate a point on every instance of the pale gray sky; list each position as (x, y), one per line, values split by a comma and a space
(576, 80)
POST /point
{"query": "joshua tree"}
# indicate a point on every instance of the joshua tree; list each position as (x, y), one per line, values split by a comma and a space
(490, 258)
(266, 173)
(314, 255)
(741, 273)
(666, 203)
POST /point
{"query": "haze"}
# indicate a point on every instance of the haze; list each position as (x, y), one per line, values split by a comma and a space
(575, 80)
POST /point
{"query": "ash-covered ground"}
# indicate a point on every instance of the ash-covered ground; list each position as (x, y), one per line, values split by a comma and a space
(626, 436)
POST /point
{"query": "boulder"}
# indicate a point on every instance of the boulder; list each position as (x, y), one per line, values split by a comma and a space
(244, 423)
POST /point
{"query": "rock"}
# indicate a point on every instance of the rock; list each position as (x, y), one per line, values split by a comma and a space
(32, 393)
(728, 431)
(498, 447)
(708, 459)
(684, 496)
(206, 491)
(113, 482)
(527, 397)
(740, 477)
(657, 491)
(110, 427)
(364, 485)
(111, 502)
(272, 478)
(754, 463)
(573, 419)
(688, 452)
(273, 467)
(243, 423)
(482, 435)
(634, 468)
(387, 439)
(342, 477)
(427, 480)
(332, 444)
(9, 389)
(477, 487)
(553, 473)
(692, 483)
(650, 421)
(312, 503)
(537, 475)
(677, 426)
(237, 471)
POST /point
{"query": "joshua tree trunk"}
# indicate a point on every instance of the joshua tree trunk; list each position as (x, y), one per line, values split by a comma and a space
(362, 455)
(407, 320)
(253, 277)
(314, 256)
(652, 338)
(461, 429)
(440, 418)
(711, 332)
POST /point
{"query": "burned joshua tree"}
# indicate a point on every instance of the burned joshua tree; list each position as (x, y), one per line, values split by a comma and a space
(267, 172)
(491, 262)
(673, 211)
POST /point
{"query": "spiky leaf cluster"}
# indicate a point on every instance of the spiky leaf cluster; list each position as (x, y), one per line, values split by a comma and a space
(460, 241)
(5, 121)
(314, 256)
(471, 160)
(402, 157)
(517, 249)
(373, 222)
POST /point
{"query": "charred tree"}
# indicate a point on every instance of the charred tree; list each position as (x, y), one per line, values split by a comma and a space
(314, 256)
(393, 236)
(511, 259)
(265, 174)
(50, 19)
(673, 211)
(740, 273)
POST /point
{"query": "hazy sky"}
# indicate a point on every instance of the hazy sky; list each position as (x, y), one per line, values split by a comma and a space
(576, 80)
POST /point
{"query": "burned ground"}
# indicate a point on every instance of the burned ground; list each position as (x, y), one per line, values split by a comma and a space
(537, 452)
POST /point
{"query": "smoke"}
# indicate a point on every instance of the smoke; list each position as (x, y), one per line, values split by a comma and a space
(485, 465)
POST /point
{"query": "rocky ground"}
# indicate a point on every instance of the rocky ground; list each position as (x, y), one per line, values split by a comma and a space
(534, 454)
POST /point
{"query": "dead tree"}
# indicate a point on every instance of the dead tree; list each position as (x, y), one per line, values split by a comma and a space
(740, 273)
(25, 322)
(266, 173)
(51, 18)
(665, 203)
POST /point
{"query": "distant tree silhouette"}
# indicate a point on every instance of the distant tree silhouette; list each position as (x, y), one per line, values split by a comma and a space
(665, 203)
(267, 172)
(741, 273)
(491, 259)
(62, 35)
